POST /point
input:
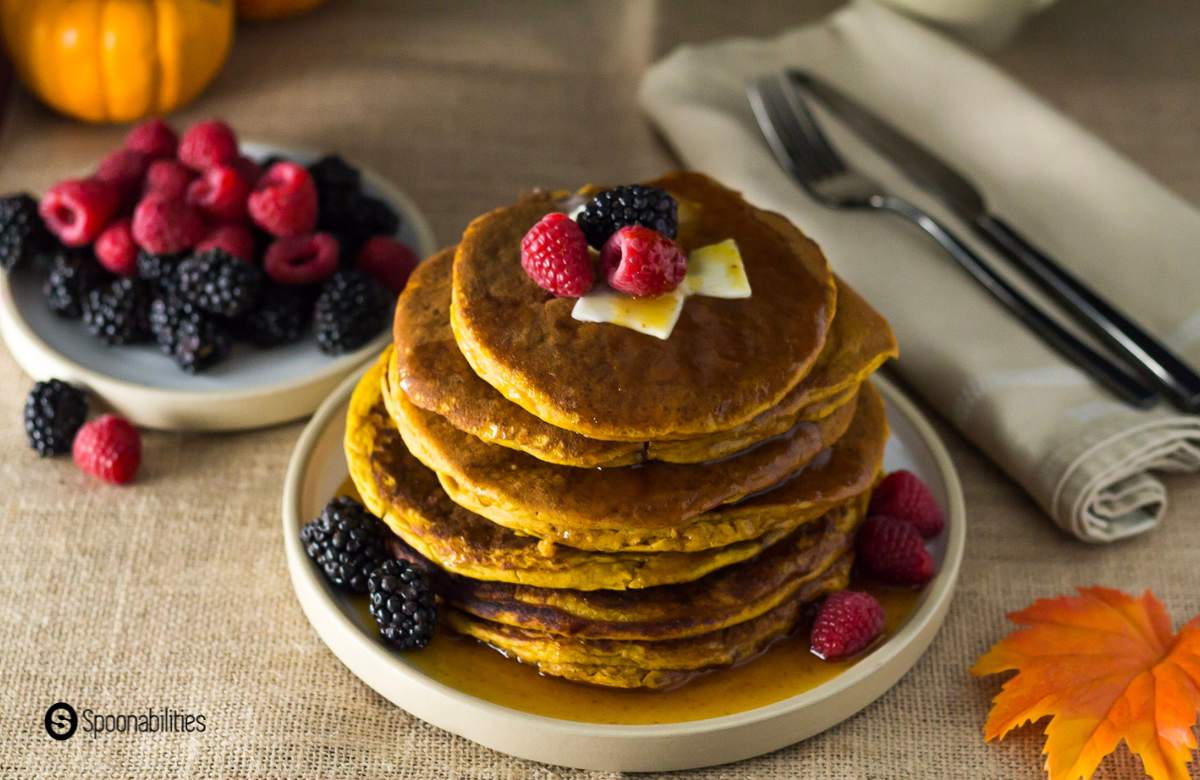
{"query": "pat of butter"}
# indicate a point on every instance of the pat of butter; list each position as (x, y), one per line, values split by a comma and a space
(652, 316)
(715, 270)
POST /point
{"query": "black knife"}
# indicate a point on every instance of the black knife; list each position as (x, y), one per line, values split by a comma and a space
(1126, 338)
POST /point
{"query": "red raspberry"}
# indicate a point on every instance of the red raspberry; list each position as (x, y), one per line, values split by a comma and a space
(892, 551)
(249, 170)
(153, 138)
(847, 623)
(206, 144)
(388, 261)
(109, 448)
(124, 169)
(301, 259)
(555, 256)
(220, 192)
(116, 249)
(904, 496)
(642, 262)
(163, 226)
(76, 210)
(237, 240)
(284, 200)
(169, 178)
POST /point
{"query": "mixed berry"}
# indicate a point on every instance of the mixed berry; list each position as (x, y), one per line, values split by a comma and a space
(632, 227)
(349, 545)
(187, 242)
(56, 423)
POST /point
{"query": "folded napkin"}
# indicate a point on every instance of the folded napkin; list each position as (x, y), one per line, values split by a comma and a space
(1085, 457)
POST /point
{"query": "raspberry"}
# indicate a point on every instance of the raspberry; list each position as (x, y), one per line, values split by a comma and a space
(162, 226)
(76, 210)
(904, 496)
(124, 169)
(613, 209)
(153, 138)
(237, 240)
(284, 200)
(389, 261)
(301, 259)
(220, 192)
(248, 169)
(207, 144)
(115, 248)
(555, 256)
(847, 623)
(892, 551)
(641, 262)
(168, 178)
(109, 448)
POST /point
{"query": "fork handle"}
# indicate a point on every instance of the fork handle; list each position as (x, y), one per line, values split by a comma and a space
(1142, 350)
(1129, 388)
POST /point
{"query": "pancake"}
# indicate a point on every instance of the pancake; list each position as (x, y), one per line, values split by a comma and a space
(731, 595)
(726, 361)
(567, 504)
(406, 495)
(845, 471)
(430, 370)
(637, 664)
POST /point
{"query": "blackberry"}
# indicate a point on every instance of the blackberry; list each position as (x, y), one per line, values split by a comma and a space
(401, 601)
(347, 542)
(156, 268)
(282, 316)
(331, 172)
(22, 234)
(354, 217)
(54, 412)
(350, 310)
(630, 205)
(118, 312)
(194, 338)
(73, 273)
(219, 283)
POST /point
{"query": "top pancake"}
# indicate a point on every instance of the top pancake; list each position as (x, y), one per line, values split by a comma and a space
(428, 367)
(725, 362)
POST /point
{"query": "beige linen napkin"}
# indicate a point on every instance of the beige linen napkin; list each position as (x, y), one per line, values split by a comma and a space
(1087, 459)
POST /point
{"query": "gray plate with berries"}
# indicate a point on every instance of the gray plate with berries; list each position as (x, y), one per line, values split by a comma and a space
(212, 342)
(381, 655)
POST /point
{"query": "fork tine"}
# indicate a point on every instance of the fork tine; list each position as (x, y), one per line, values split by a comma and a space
(804, 119)
(790, 133)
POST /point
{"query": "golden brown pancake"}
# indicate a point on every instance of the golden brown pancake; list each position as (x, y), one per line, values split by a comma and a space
(641, 664)
(726, 361)
(731, 595)
(428, 367)
(570, 505)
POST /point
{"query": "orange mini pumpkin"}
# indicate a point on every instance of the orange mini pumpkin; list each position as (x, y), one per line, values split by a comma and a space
(117, 60)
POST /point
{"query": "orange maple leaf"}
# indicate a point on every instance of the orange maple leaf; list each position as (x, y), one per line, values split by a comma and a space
(1105, 667)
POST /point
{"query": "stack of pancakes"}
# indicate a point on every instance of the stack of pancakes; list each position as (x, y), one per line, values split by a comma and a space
(611, 507)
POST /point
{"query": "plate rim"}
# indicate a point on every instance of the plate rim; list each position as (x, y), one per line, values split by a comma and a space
(928, 616)
(20, 336)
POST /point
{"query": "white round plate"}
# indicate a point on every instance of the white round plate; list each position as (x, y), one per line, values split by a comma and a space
(253, 388)
(318, 469)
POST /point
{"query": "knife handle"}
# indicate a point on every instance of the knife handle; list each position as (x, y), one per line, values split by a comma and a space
(1108, 374)
(1142, 350)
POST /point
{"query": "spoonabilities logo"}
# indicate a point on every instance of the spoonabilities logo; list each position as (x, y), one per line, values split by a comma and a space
(61, 721)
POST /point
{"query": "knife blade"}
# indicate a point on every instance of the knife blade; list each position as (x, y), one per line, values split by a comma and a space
(1138, 347)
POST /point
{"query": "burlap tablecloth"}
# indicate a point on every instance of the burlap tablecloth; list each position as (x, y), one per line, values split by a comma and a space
(173, 592)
